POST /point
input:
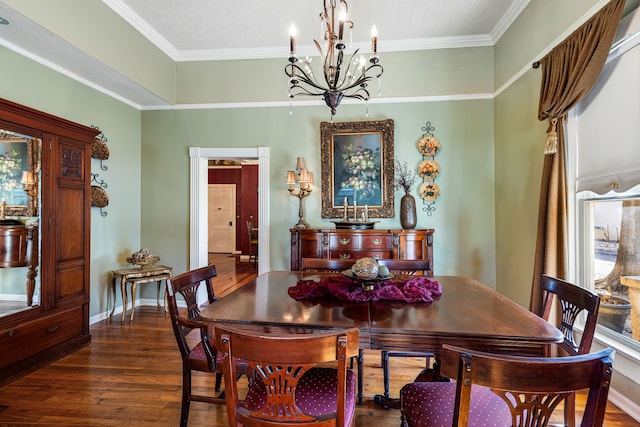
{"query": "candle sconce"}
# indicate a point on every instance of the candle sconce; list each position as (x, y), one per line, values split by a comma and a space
(300, 181)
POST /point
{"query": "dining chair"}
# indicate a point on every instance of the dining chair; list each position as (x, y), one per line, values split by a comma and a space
(252, 232)
(507, 390)
(337, 265)
(203, 356)
(571, 300)
(410, 268)
(288, 386)
(396, 266)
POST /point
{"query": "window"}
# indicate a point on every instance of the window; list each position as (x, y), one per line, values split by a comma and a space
(604, 153)
(611, 241)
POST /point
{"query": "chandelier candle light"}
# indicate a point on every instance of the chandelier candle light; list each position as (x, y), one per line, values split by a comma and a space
(341, 80)
(304, 180)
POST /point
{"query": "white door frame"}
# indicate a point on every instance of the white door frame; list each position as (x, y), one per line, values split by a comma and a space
(199, 166)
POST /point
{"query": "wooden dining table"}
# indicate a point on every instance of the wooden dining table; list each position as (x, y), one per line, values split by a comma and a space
(469, 314)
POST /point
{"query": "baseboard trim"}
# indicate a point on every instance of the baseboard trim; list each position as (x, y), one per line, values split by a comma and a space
(625, 404)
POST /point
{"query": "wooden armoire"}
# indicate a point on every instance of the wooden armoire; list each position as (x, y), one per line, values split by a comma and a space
(58, 322)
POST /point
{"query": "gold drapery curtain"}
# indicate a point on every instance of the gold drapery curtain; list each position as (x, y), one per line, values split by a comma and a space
(569, 72)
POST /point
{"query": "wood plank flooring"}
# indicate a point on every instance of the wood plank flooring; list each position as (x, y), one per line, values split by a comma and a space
(131, 375)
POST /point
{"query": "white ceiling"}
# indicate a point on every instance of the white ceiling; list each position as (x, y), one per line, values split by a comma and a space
(234, 29)
(209, 29)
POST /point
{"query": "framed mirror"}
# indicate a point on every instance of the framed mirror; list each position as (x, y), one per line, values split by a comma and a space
(19, 215)
(19, 174)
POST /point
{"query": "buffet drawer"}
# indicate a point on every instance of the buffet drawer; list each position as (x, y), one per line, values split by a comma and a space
(30, 338)
(343, 241)
(381, 242)
(344, 254)
(363, 242)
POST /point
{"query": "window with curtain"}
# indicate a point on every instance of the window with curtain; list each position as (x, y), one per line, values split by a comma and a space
(607, 186)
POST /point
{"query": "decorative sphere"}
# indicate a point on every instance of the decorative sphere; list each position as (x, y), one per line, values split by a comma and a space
(383, 271)
(366, 268)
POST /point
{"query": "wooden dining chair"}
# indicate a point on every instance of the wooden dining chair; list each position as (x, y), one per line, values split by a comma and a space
(396, 266)
(407, 268)
(252, 233)
(507, 390)
(336, 265)
(288, 386)
(571, 300)
(203, 356)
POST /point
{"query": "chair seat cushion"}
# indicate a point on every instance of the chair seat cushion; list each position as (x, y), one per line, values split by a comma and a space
(315, 393)
(198, 360)
(431, 404)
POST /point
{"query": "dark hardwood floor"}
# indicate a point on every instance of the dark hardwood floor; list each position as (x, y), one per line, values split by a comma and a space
(131, 375)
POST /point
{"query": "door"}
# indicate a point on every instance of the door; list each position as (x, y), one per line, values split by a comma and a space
(222, 214)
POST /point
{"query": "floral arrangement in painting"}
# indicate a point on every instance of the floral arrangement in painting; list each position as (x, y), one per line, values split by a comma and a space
(10, 171)
(405, 178)
(363, 171)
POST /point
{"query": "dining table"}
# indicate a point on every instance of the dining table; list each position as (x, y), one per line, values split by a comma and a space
(467, 313)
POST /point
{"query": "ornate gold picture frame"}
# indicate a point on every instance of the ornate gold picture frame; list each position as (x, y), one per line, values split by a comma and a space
(357, 166)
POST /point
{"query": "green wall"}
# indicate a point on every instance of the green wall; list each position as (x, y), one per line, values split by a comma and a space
(413, 74)
(463, 220)
(94, 28)
(520, 137)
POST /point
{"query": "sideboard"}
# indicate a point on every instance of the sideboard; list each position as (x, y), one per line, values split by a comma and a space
(346, 243)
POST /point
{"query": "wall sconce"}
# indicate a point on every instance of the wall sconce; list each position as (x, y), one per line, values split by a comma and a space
(28, 179)
(300, 182)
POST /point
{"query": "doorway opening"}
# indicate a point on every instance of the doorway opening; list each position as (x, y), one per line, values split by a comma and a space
(199, 160)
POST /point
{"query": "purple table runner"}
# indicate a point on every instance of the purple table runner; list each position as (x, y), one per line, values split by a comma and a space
(416, 289)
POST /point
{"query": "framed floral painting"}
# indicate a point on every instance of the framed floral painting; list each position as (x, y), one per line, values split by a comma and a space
(357, 167)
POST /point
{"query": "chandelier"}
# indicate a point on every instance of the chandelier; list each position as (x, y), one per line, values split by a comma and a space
(341, 79)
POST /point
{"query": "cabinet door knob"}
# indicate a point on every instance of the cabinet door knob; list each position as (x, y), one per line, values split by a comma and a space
(377, 242)
(53, 330)
(345, 241)
(345, 256)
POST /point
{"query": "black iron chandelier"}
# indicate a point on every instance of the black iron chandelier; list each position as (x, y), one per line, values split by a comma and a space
(341, 79)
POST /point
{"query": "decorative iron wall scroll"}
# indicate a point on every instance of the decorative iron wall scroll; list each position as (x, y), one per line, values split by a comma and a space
(99, 151)
(429, 168)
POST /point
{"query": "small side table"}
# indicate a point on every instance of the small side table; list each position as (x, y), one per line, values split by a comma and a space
(146, 274)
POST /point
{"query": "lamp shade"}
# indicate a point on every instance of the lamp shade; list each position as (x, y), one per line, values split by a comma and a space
(27, 178)
(300, 165)
(291, 177)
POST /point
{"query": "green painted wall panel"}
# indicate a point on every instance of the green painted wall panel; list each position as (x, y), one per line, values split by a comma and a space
(97, 30)
(540, 24)
(463, 219)
(519, 146)
(406, 74)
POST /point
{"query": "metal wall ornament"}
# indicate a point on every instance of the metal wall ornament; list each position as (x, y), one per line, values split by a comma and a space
(99, 151)
(99, 148)
(99, 197)
(428, 168)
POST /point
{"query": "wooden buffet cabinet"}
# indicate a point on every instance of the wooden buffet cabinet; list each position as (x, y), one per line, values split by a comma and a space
(58, 321)
(346, 243)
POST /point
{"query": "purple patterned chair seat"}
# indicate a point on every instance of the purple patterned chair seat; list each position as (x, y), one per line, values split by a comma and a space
(431, 404)
(315, 393)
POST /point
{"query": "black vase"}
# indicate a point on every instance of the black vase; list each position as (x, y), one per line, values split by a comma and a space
(408, 216)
